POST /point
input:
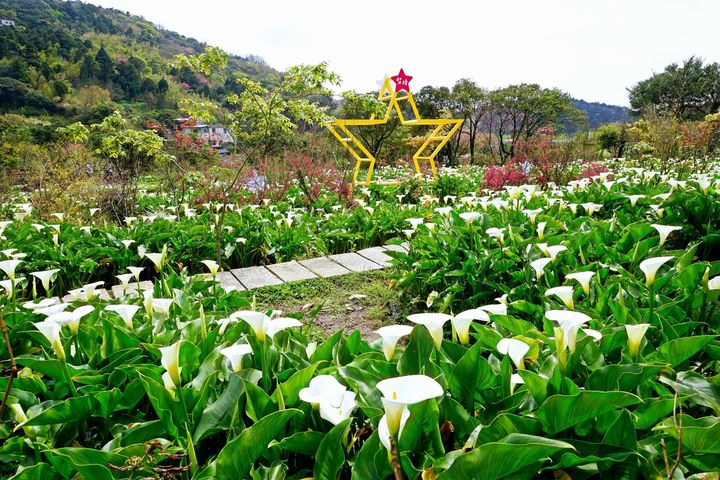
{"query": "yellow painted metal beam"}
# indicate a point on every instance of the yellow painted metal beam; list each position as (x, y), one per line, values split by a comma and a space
(445, 128)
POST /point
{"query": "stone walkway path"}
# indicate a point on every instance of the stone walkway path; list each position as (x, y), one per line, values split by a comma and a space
(364, 260)
(249, 278)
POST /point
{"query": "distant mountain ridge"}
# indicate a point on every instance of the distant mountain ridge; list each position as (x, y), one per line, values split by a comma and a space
(602, 113)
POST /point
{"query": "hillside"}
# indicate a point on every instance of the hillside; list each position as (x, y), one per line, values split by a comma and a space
(602, 113)
(69, 60)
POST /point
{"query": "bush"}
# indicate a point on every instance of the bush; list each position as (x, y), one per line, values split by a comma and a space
(496, 177)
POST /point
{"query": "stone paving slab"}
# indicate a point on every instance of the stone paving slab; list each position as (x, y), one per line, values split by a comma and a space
(228, 280)
(255, 277)
(355, 262)
(291, 271)
(102, 294)
(324, 267)
(377, 255)
(132, 287)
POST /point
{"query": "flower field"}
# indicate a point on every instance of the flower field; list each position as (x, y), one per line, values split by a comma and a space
(559, 332)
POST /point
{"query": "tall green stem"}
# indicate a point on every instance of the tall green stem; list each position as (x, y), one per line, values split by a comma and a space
(71, 385)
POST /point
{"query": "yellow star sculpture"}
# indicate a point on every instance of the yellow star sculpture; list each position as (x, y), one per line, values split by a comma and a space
(444, 129)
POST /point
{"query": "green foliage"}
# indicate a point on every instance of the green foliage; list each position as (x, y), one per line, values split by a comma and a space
(267, 119)
(688, 91)
(611, 137)
(591, 408)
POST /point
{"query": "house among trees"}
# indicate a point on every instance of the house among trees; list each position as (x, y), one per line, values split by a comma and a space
(213, 134)
(7, 23)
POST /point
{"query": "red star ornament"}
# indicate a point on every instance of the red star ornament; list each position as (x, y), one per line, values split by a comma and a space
(402, 81)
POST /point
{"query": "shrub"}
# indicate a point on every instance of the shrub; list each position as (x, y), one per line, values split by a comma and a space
(496, 177)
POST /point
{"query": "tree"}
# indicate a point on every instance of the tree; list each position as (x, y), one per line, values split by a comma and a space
(269, 118)
(364, 106)
(103, 66)
(163, 86)
(431, 101)
(87, 69)
(439, 102)
(611, 137)
(264, 120)
(128, 153)
(518, 111)
(688, 92)
(128, 78)
(472, 104)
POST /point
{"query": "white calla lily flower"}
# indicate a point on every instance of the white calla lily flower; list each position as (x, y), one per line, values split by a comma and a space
(235, 354)
(539, 266)
(213, 266)
(322, 388)
(44, 303)
(124, 281)
(263, 326)
(333, 399)
(136, 272)
(634, 199)
(52, 309)
(161, 307)
(390, 335)
(664, 231)
(565, 294)
(591, 208)
(583, 278)
(650, 267)
(45, 277)
(126, 312)
(170, 360)
(71, 319)
(470, 217)
(9, 267)
(541, 229)
(158, 259)
(434, 322)
(570, 322)
(461, 323)
(399, 392)
(635, 334)
(51, 331)
(554, 250)
(515, 349)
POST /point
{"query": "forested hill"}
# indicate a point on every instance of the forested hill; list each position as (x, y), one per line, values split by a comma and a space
(601, 113)
(76, 61)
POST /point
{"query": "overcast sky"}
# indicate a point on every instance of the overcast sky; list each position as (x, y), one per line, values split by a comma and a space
(591, 49)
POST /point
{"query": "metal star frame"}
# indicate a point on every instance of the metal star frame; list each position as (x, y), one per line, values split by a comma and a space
(444, 129)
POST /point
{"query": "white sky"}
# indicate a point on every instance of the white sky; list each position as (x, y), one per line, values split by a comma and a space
(592, 49)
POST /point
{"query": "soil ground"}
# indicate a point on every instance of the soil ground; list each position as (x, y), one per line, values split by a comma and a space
(362, 301)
